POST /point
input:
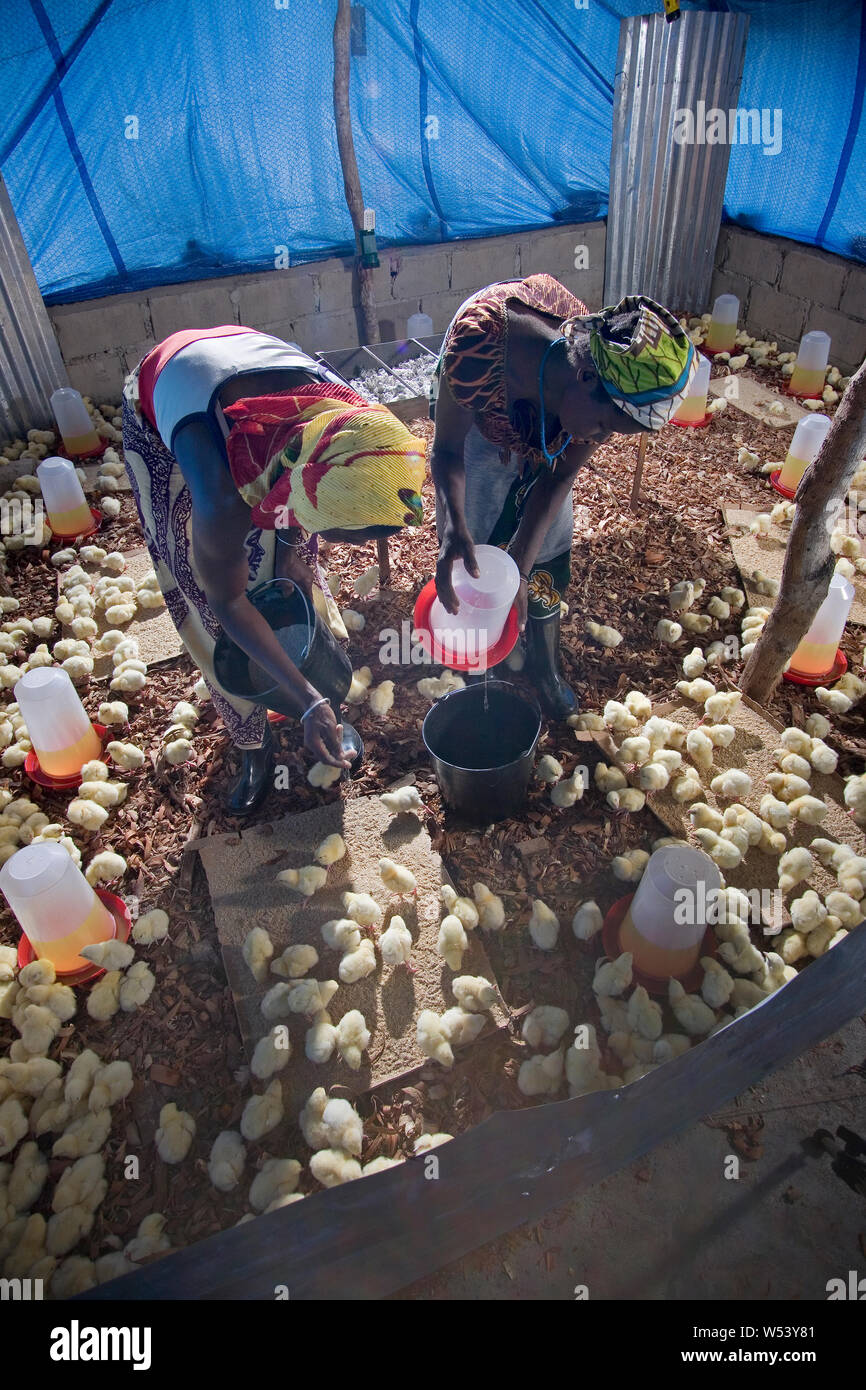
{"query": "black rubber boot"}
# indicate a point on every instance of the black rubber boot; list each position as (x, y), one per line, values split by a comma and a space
(254, 780)
(557, 699)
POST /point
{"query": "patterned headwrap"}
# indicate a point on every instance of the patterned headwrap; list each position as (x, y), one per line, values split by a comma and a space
(323, 458)
(648, 376)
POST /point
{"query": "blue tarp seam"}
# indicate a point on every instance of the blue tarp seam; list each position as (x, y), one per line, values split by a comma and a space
(850, 135)
(60, 67)
(423, 94)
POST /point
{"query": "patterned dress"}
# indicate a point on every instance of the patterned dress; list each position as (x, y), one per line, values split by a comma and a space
(502, 454)
(165, 507)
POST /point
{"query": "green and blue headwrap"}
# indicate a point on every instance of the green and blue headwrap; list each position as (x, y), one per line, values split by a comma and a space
(648, 376)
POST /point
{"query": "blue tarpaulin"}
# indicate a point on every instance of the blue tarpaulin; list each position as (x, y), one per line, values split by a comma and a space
(155, 141)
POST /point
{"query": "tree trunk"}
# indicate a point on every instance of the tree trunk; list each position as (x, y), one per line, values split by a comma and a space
(809, 562)
(365, 306)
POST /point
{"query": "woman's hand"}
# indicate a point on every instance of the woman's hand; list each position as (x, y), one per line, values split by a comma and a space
(457, 544)
(289, 565)
(324, 737)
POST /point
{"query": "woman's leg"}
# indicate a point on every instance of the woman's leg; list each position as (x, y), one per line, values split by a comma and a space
(165, 508)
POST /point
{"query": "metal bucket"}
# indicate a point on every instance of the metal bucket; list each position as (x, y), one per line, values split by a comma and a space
(305, 640)
(483, 758)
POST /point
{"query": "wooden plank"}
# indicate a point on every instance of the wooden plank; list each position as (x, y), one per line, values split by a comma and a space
(369, 1238)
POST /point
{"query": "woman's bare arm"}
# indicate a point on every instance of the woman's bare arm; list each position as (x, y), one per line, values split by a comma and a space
(220, 523)
(448, 470)
(542, 505)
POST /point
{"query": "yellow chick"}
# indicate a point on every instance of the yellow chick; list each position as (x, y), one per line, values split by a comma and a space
(431, 1038)
(635, 750)
(697, 690)
(103, 1001)
(491, 909)
(84, 1135)
(104, 866)
(644, 1015)
(608, 779)
(136, 987)
(548, 769)
(681, 596)
(261, 1114)
(686, 787)
(320, 1039)
(126, 755)
(473, 993)
(618, 717)
(111, 1083)
(362, 908)
(700, 748)
(699, 623)
(381, 700)
(322, 775)
(151, 927)
(694, 663)
(809, 809)
(331, 1167)
(583, 1064)
(397, 878)
(668, 631)
(306, 881)
(359, 963)
(606, 636)
(434, 687)
(629, 799)
(587, 921)
(271, 1053)
(569, 791)
(723, 851)
(461, 1027)
(395, 943)
(257, 951)
(402, 800)
(277, 1178)
(613, 977)
(295, 961)
(332, 848)
(694, 1016)
(360, 684)
(227, 1160)
(174, 1134)
(732, 785)
(452, 941)
(341, 934)
(543, 926)
(541, 1075)
(629, 867)
(544, 1026)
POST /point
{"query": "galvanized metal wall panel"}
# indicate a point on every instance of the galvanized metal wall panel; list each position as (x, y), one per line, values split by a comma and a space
(31, 366)
(665, 198)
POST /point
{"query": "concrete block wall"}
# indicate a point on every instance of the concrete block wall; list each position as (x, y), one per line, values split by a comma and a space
(785, 289)
(102, 339)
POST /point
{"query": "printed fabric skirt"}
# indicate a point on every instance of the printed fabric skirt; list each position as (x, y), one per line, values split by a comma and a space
(496, 494)
(165, 508)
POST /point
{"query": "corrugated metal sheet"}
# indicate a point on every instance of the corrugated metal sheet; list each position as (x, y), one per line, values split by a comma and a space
(666, 198)
(30, 362)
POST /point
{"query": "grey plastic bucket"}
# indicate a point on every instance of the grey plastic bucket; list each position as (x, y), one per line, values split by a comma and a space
(483, 759)
(307, 641)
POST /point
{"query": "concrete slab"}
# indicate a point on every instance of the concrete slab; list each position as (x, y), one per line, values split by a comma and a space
(753, 399)
(767, 553)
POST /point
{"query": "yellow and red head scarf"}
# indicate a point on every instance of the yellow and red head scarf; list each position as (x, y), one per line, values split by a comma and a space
(323, 458)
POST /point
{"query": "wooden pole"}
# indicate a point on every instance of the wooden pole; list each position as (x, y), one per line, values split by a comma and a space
(366, 297)
(638, 472)
(809, 562)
